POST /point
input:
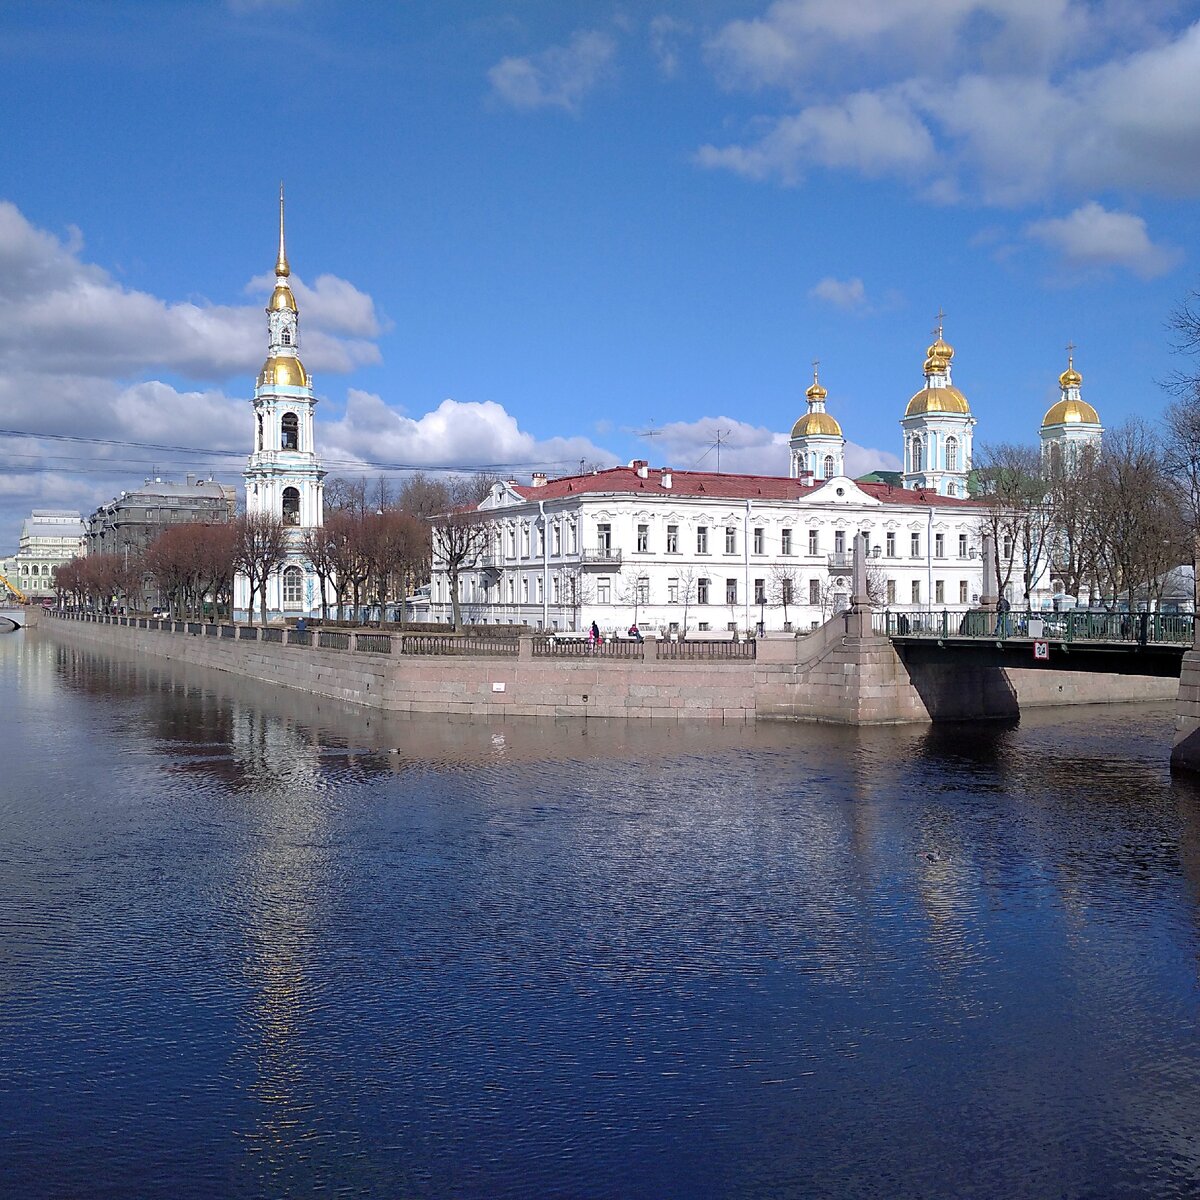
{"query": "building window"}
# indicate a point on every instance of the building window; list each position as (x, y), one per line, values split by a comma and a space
(758, 541)
(827, 466)
(702, 540)
(293, 587)
(918, 454)
(642, 589)
(702, 591)
(604, 590)
(289, 432)
(672, 539)
(891, 591)
(760, 591)
(916, 591)
(291, 506)
(951, 454)
(814, 591)
(643, 539)
(730, 539)
(572, 538)
(915, 545)
(511, 590)
(813, 544)
(524, 539)
(839, 542)
(786, 589)
(891, 545)
(673, 590)
(785, 542)
(962, 545)
(939, 545)
(539, 540)
(1006, 549)
(537, 589)
(939, 591)
(962, 591)
(730, 591)
(604, 537)
(524, 589)
(556, 539)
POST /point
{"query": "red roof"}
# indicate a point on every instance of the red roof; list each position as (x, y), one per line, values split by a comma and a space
(709, 485)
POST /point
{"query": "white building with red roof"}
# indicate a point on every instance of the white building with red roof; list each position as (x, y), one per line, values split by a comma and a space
(701, 553)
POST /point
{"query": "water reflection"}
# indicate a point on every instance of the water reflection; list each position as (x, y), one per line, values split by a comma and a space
(256, 943)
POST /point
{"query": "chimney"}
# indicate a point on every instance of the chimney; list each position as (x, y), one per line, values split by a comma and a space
(666, 478)
(538, 479)
(641, 466)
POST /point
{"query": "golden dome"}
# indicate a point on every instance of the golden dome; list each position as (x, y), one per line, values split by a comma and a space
(938, 400)
(816, 423)
(935, 364)
(1071, 412)
(281, 299)
(283, 371)
(940, 349)
(816, 391)
(1070, 377)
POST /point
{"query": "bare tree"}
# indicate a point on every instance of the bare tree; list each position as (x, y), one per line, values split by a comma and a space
(261, 549)
(782, 588)
(688, 591)
(459, 536)
(1019, 514)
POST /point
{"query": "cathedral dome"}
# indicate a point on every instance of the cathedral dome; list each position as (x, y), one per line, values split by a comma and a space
(816, 423)
(282, 299)
(938, 400)
(940, 349)
(1070, 378)
(283, 371)
(1071, 412)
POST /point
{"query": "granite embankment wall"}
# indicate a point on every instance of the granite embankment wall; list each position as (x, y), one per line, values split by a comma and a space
(828, 675)
(1185, 753)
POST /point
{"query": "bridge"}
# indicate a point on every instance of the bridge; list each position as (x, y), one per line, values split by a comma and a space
(1121, 643)
(12, 618)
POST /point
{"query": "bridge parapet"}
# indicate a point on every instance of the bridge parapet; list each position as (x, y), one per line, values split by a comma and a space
(1084, 625)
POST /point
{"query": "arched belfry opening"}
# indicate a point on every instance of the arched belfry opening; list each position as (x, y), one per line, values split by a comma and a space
(291, 506)
(289, 430)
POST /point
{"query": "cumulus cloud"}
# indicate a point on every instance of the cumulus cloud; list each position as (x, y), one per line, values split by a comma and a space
(746, 449)
(1031, 98)
(456, 433)
(871, 133)
(1095, 238)
(849, 295)
(558, 77)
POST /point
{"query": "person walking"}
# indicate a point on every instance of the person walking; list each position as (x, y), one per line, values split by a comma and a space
(594, 637)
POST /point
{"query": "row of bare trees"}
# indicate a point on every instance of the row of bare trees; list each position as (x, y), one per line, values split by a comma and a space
(1105, 525)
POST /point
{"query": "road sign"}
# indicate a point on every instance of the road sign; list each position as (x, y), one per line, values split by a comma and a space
(1041, 651)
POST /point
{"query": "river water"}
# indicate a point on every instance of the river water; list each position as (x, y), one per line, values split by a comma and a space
(254, 944)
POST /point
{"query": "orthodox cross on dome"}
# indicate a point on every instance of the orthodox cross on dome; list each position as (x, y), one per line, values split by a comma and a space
(1070, 353)
(941, 317)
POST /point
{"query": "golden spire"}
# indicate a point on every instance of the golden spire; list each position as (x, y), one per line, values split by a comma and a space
(281, 263)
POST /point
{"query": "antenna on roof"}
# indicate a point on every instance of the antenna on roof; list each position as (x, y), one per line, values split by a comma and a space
(648, 433)
(722, 435)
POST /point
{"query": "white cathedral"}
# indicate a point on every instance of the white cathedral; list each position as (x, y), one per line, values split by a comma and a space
(283, 475)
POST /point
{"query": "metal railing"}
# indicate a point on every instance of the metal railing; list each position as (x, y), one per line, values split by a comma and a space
(1075, 626)
(691, 648)
(448, 643)
(333, 639)
(601, 556)
(580, 647)
(374, 643)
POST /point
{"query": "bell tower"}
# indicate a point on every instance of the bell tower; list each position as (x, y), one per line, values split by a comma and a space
(283, 476)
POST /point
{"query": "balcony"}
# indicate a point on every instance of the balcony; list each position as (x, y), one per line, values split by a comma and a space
(600, 556)
(841, 562)
(489, 560)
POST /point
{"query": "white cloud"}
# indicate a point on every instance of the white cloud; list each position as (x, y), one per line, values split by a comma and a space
(871, 133)
(559, 77)
(1008, 101)
(847, 294)
(456, 433)
(745, 449)
(1093, 237)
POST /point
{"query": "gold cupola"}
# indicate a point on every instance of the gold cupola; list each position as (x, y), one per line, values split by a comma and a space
(816, 420)
(1072, 409)
(938, 395)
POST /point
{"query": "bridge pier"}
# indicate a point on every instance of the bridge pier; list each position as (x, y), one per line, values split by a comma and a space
(1185, 752)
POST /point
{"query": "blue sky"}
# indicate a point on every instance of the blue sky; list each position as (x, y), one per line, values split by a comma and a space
(527, 233)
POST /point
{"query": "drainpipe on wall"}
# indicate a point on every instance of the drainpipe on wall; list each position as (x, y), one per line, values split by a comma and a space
(746, 558)
(545, 565)
(929, 560)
